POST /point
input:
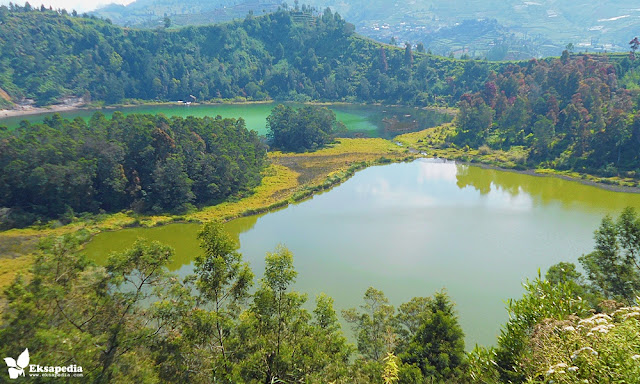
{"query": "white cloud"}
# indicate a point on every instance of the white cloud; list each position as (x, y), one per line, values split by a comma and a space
(78, 5)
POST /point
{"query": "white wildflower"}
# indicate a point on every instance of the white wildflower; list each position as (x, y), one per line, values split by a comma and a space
(599, 318)
(550, 371)
(572, 369)
(561, 365)
(627, 309)
(635, 357)
(568, 328)
(579, 351)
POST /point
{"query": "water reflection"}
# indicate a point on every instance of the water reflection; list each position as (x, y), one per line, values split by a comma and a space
(182, 237)
(411, 229)
(444, 170)
(360, 120)
(542, 190)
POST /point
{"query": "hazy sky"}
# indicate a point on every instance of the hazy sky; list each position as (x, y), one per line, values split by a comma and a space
(78, 5)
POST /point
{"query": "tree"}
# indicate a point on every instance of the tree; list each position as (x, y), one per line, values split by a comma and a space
(634, 44)
(171, 188)
(614, 266)
(543, 133)
(408, 55)
(223, 282)
(276, 327)
(473, 122)
(304, 129)
(411, 315)
(373, 326)
(564, 273)
(437, 347)
(92, 316)
(570, 47)
(331, 350)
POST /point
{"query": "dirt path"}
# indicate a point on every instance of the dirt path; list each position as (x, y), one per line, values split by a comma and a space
(30, 110)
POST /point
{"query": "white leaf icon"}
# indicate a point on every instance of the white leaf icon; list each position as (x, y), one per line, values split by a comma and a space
(23, 359)
(10, 362)
(14, 373)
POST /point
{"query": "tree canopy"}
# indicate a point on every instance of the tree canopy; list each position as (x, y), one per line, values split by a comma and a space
(304, 129)
(50, 57)
(142, 162)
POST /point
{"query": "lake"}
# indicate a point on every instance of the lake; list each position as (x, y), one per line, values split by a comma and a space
(411, 229)
(360, 120)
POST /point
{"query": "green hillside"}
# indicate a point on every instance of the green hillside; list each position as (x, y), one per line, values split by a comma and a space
(524, 28)
(47, 57)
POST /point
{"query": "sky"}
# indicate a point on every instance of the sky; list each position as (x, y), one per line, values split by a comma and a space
(78, 5)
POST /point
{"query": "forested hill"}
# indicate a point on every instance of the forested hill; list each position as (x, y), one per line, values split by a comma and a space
(574, 113)
(47, 57)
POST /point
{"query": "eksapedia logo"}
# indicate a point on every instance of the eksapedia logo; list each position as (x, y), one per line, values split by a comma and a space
(16, 368)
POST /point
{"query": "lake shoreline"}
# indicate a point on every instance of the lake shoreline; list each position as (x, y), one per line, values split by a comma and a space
(289, 178)
(31, 110)
(80, 106)
(28, 110)
(552, 173)
(430, 142)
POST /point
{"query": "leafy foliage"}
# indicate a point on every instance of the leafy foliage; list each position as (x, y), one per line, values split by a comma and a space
(614, 266)
(307, 128)
(602, 348)
(425, 331)
(373, 325)
(149, 163)
(437, 347)
(73, 311)
(542, 300)
(571, 113)
(49, 57)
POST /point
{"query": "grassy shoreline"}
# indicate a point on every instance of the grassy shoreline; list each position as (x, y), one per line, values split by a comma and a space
(430, 142)
(289, 178)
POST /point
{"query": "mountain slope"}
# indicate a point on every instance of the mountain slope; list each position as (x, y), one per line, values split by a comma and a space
(47, 57)
(537, 28)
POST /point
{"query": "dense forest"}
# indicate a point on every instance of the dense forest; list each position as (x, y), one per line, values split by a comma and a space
(129, 320)
(46, 56)
(147, 163)
(575, 112)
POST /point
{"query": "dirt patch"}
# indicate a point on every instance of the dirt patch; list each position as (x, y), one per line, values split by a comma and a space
(5, 95)
(16, 246)
(314, 169)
